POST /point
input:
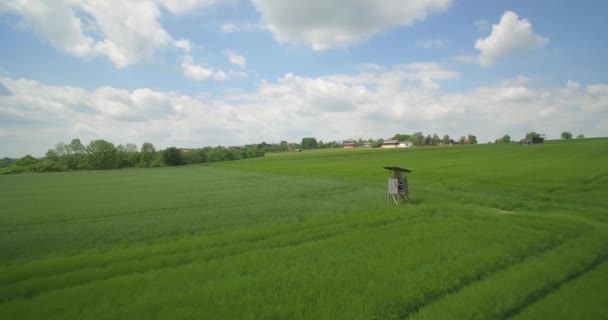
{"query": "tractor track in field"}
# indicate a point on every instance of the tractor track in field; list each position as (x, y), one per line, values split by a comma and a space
(182, 262)
(215, 244)
(433, 296)
(545, 291)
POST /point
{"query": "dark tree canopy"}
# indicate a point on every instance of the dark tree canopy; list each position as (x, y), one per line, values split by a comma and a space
(505, 138)
(101, 154)
(173, 157)
(309, 143)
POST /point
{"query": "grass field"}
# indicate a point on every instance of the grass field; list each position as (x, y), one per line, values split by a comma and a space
(493, 232)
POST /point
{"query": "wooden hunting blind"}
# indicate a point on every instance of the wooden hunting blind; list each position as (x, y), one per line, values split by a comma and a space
(397, 185)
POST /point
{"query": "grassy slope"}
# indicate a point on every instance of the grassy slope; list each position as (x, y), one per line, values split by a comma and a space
(495, 231)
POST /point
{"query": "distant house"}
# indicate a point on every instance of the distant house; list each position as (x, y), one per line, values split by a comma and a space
(184, 149)
(534, 140)
(405, 144)
(348, 144)
(390, 144)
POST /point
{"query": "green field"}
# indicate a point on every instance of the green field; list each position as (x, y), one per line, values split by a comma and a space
(493, 232)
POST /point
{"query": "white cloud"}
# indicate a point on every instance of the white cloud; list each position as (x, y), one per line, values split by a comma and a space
(182, 6)
(325, 24)
(237, 74)
(197, 72)
(236, 59)
(465, 58)
(229, 28)
(430, 44)
(126, 32)
(483, 26)
(509, 35)
(183, 44)
(374, 103)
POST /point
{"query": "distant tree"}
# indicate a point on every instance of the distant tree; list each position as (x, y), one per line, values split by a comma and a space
(472, 139)
(446, 139)
(131, 147)
(435, 140)
(195, 156)
(6, 162)
(76, 146)
(309, 143)
(417, 138)
(28, 160)
(401, 137)
(284, 145)
(52, 155)
(532, 134)
(505, 138)
(127, 156)
(427, 140)
(462, 139)
(580, 136)
(77, 149)
(61, 149)
(173, 157)
(101, 154)
(377, 143)
(147, 154)
(566, 135)
(360, 143)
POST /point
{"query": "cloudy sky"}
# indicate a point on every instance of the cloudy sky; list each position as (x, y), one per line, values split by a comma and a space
(192, 73)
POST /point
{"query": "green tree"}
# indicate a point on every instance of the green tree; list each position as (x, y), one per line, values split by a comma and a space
(309, 143)
(505, 138)
(127, 156)
(61, 149)
(173, 157)
(52, 155)
(435, 140)
(28, 160)
(472, 139)
(427, 140)
(446, 139)
(77, 149)
(401, 137)
(147, 154)
(101, 154)
(566, 135)
(532, 134)
(417, 138)
(580, 136)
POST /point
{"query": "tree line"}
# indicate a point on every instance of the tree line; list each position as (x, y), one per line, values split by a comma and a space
(103, 155)
(532, 134)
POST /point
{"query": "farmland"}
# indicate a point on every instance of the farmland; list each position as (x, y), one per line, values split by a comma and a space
(493, 231)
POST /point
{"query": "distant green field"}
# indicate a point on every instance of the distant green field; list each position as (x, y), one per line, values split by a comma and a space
(493, 232)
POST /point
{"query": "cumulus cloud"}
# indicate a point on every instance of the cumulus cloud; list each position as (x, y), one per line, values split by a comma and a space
(3, 90)
(236, 59)
(373, 103)
(198, 72)
(325, 24)
(126, 32)
(509, 35)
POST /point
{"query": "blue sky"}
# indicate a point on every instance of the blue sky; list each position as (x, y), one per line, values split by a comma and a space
(192, 73)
